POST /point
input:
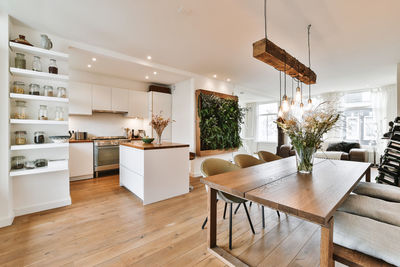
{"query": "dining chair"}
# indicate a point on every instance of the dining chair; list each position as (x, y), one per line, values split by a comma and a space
(267, 156)
(214, 166)
(244, 161)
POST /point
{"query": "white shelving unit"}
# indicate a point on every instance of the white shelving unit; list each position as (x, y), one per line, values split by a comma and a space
(44, 122)
(38, 98)
(15, 47)
(38, 146)
(38, 74)
(53, 166)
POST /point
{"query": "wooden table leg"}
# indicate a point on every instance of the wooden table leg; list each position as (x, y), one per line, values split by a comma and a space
(368, 175)
(212, 218)
(326, 250)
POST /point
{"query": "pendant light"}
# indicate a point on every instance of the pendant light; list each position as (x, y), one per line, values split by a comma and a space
(280, 112)
(285, 102)
(309, 66)
(298, 92)
(301, 100)
(292, 102)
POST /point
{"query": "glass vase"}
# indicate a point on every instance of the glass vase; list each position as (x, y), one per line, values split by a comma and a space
(158, 140)
(305, 159)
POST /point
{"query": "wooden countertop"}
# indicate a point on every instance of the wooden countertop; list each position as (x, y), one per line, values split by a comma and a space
(80, 141)
(143, 146)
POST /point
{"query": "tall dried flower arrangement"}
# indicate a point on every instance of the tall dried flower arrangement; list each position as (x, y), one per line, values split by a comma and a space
(159, 124)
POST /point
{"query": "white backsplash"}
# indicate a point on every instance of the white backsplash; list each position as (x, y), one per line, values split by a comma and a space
(104, 124)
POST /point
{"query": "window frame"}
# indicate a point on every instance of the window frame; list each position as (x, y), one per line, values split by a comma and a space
(265, 114)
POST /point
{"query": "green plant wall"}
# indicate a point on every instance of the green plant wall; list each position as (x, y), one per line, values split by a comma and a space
(220, 122)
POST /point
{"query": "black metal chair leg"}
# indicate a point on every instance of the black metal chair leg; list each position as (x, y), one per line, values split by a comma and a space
(251, 202)
(237, 208)
(230, 225)
(279, 215)
(204, 223)
(263, 217)
(226, 204)
(248, 217)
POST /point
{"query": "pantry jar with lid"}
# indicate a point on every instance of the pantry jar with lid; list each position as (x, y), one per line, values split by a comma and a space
(18, 87)
(38, 137)
(17, 162)
(20, 137)
(20, 61)
(48, 90)
(62, 92)
(43, 113)
(59, 114)
(34, 89)
(36, 65)
(20, 110)
(53, 66)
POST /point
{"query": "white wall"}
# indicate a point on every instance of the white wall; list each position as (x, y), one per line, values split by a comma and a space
(6, 213)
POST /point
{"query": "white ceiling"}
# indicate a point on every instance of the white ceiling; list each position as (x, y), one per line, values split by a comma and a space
(355, 44)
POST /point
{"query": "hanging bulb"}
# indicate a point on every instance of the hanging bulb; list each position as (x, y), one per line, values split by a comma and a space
(285, 104)
(280, 113)
(292, 103)
(301, 108)
(298, 94)
(309, 106)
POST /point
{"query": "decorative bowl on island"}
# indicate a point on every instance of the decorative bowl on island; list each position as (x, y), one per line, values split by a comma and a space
(147, 140)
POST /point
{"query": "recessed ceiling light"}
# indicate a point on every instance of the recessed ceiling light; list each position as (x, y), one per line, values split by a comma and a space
(89, 66)
(149, 57)
(147, 77)
(94, 59)
(228, 80)
(155, 72)
(215, 75)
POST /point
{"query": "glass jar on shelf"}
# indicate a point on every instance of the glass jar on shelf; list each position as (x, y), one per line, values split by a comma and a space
(34, 89)
(20, 137)
(36, 65)
(38, 137)
(59, 114)
(43, 113)
(48, 90)
(62, 92)
(17, 162)
(20, 110)
(20, 61)
(18, 87)
(53, 66)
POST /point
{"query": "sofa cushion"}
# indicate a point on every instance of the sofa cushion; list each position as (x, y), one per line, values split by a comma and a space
(342, 146)
(382, 191)
(374, 238)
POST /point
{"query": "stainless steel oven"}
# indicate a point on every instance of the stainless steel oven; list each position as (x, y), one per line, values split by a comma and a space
(106, 153)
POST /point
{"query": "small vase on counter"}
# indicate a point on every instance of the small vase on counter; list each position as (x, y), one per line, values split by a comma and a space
(159, 124)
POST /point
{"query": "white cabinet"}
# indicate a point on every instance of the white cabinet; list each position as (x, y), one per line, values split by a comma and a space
(101, 98)
(80, 98)
(138, 104)
(80, 160)
(161, 103)
(120, 100)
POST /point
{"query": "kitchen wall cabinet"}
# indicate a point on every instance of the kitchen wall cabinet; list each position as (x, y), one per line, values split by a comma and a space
(80, 161)
(161, 103)
(120, 100)
(138, 104)
(80, 98)
(101, 98)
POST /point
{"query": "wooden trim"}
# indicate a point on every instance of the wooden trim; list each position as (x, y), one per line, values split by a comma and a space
(204, 153)
(326, 246)
(226, 257)
(268, 52)
(354, 258)
(212, 218)
(159, 89)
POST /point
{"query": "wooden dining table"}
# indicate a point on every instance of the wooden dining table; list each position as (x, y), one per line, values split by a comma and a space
(312, 197)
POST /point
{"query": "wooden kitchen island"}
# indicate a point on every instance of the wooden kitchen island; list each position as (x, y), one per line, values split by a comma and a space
(154, 172)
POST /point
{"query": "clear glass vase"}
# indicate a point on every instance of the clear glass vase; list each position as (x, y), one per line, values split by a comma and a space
(158, 140)
(305, 159)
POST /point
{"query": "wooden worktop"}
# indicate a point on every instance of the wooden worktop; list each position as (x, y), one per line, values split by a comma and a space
(80, 141)
(143, 146)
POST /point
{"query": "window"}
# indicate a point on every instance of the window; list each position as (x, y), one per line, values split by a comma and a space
(266, 127)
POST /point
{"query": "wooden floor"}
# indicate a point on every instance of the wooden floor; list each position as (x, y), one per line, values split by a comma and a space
(108, 226)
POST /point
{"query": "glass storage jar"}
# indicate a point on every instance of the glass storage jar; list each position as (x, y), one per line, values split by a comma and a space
(62, 92)
(59, 114)
(36, 65)
(20, 61)
(41, 163)
(43, 113)
(53, 66)
(38, 137)
(34, 89)
(20, 110)
(48, 90)
(20, 137)
(18, 87)
(17, 162)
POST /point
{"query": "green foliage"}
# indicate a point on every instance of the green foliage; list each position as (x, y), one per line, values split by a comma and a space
(220, 122)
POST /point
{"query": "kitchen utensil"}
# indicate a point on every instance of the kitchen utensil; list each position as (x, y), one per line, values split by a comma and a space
(45, 42)
(21, 40)
(17, 162)
(36, 65)
(20, 61)
(147, 140)
(80, 135)
(30, 165)
(41, 163)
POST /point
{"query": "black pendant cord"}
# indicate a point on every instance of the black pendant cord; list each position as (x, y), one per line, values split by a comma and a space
(309, 60)
(285, 76)
(265, 18)
(292, 88)
(280, 88)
